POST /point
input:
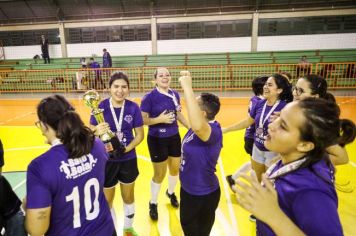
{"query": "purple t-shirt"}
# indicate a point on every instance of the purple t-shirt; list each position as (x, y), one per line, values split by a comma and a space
(73, 188)
(256, 113)
(308, 200)
(250, 131)
(132, 118)
(199, 159)
(154, 103)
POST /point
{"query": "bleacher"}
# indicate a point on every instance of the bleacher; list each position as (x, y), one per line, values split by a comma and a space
(217, 71)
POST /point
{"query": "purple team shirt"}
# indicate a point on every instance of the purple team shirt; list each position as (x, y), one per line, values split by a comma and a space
(250, 131)
(73, 188)
(132, 118)
(154, 103)
(308, 200)
(256, 113)
(199, 159)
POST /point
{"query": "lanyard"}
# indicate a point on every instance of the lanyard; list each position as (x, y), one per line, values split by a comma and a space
(118, 124)
(261, 123)
(173, 97)
(283, 170)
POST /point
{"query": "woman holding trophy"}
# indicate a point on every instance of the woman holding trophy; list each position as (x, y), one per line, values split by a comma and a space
(160, 111)
(121, 116)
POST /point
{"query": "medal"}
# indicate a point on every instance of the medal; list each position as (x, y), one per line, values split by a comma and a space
(120, 135)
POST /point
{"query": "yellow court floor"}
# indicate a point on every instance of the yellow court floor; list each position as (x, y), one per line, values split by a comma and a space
(23, 142)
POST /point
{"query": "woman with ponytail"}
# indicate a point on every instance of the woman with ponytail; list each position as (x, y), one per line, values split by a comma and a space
(299, 190)
(65, 184)
(316, 86)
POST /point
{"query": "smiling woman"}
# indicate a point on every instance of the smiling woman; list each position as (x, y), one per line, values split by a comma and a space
(161, 110)
(122, 116)
(302, 198)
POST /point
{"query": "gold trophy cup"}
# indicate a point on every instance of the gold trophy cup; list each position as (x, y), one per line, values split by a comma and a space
(91, 99)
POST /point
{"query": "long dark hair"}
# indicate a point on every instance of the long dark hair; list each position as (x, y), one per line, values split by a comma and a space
(319, 86)
(57, 112)
(283, 83)
(323, 127)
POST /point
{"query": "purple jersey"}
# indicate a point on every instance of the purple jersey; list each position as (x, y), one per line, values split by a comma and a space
(197, 170)
(256, 113)
(132, 118)
(73, 188)
(250, 131)
(308, 197)
(154, 103)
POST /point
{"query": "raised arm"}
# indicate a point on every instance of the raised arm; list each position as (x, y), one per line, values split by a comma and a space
(197, 120)
(182, 120)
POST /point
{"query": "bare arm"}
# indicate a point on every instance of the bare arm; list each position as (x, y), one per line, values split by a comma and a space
(243, 124)
(139, 134)
(164, 117)
(198, 122)
(37, 221)
(182, 120)
(337, 155)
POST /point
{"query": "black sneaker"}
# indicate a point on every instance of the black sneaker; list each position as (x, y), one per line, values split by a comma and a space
(230, 181)
(173, 198)
(153, 211)
(252, 218)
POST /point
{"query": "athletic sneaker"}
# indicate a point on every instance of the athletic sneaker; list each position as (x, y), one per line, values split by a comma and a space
(173, 198)
(252, 218)
(153, 211)
(130, 232)
(230, 181)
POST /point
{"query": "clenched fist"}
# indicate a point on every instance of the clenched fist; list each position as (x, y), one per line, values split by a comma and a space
(185, 79)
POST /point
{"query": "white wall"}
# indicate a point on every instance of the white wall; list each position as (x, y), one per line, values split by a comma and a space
(238, 44)
(22, 52)
(115, 48)
(214, 45)
(306, 42)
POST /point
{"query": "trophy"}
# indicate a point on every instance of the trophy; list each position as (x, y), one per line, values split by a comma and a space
(112, 144)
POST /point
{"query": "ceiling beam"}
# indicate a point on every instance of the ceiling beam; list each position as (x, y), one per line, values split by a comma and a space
(30, 8)
(60, 14)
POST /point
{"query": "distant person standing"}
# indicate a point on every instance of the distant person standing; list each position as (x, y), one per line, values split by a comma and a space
(44, 49)
(304, 66)
(107, 62)
(96, 68)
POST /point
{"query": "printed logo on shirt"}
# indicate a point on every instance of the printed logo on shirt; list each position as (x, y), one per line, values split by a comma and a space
(73, 168)
(128, 118)
(162, 130)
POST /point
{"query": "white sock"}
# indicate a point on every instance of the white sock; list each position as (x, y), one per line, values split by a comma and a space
(243, 169)
(113, 215)
(172, 182)
(154, 192)
(129, 213)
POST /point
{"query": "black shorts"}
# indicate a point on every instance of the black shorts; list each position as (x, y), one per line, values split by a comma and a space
(161, 148)
(124, 172)
(249, 145)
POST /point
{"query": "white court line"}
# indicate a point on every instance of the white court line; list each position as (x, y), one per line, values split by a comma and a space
(228, 200)
(26, 148)
(17, 117)
(19, 184)
(224, 222)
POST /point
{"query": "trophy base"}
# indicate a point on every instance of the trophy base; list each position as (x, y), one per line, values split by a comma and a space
(118, 148)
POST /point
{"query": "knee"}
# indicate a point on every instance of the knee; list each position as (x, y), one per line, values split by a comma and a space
(158, 178)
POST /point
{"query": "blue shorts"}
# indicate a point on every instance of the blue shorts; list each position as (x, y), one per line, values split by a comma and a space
(263, 157)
